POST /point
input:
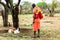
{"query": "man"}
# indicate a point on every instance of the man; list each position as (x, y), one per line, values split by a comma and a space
(36, 20)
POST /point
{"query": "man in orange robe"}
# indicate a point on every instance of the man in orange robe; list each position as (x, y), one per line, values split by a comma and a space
(36, 19)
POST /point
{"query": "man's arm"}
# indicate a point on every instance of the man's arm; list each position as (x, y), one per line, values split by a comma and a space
(34, 17)
(41, 15)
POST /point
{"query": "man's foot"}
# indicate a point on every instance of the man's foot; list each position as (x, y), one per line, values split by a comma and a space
(38, 36)
(34, 36)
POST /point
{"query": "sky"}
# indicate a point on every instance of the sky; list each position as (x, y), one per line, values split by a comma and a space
(36, 1)
(33, 1)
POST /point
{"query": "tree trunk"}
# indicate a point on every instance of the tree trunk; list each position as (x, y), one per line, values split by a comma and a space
(14, 12)
(51, 15)
(0, 0)
(5, 15)
(20, 9)
(15, 18)
(52, 12)
(5, 18)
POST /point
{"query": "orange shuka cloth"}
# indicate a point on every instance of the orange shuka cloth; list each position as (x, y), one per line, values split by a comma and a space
(36, 24)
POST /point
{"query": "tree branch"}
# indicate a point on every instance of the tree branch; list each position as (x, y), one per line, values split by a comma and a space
(18, 3)
(3, 4)
(7, 3)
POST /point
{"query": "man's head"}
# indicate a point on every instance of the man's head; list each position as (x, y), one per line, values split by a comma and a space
(33, 5)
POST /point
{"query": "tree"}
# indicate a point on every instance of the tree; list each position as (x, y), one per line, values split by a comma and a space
(14, 11)
(42, 5)
(51, 9)
(54, 5)
(26, 7)
(20, 9)
(4, 14)
(0, 0)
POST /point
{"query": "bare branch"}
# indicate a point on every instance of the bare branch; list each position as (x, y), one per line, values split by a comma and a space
(3, 4)
(18, 3)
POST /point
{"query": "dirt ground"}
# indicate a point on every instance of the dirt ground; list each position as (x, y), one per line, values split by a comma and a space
(50, 28)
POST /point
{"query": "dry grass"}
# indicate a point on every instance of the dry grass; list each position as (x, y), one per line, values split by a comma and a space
(50, 28)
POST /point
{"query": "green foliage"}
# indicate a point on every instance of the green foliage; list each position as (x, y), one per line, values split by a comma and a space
(27, 12)
(42, 4)
(54, 4)
(26, 3)
(49, 5)
(26, 7)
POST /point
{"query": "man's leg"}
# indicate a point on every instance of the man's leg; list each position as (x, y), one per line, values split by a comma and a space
(38, 33)
(34, 34)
